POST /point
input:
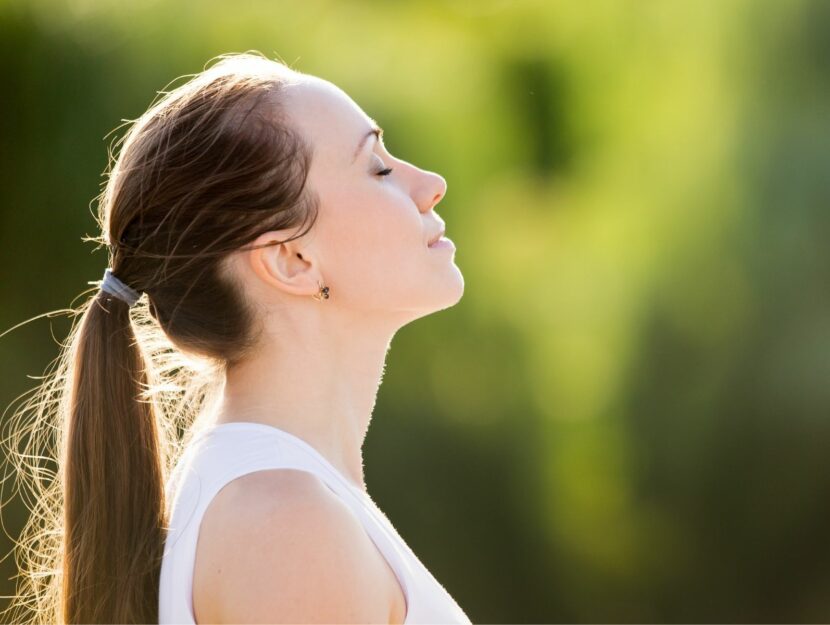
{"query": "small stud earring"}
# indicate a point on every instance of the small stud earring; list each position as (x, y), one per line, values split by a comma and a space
(323, 294)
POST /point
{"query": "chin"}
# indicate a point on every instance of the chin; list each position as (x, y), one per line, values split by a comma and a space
(452, 292)
(459, 289)
(434, 296)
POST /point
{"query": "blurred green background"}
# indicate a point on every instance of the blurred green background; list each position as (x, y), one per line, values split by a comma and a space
(627, 418)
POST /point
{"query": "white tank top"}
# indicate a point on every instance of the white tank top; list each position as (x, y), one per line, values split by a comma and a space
(226, 451)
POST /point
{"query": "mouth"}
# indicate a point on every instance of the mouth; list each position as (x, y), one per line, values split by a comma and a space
(435, 239)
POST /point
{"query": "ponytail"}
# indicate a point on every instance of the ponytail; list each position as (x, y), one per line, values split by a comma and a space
(91, 550)
(113, 475)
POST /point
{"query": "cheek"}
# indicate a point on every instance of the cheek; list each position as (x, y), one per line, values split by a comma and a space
(372, 254)
(374, 220)
(377, 243)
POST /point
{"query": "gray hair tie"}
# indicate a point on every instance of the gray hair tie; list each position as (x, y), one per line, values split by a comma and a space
(112, 285)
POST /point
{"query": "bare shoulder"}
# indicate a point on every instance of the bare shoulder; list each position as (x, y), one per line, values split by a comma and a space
(278, 546)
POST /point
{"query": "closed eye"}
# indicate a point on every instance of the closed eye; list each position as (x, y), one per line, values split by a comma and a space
(384, 172)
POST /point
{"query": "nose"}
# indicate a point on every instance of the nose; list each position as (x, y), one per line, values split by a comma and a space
(432, 189)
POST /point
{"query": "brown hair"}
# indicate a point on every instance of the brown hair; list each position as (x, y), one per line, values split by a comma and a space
(206, 169)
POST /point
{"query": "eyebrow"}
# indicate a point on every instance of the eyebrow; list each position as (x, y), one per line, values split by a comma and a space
(376, 130)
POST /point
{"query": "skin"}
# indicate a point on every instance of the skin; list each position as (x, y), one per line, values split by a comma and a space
(317, 370)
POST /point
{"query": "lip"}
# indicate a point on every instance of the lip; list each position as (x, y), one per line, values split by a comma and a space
(443, 242)
(436, 238)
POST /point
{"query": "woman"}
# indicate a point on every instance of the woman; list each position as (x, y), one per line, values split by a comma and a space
(280, 247)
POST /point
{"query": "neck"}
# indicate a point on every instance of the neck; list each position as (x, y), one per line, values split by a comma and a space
(317, 381)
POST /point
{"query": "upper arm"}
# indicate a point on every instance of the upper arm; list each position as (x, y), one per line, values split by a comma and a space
(296, 556)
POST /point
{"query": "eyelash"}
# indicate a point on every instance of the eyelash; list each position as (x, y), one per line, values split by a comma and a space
(384, 172)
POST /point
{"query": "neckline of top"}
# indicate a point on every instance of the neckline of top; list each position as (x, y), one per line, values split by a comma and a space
(293, 438)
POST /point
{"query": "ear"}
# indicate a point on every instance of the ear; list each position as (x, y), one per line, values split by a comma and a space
(286, 266)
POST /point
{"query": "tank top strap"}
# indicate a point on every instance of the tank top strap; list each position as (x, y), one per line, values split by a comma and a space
(258, 444)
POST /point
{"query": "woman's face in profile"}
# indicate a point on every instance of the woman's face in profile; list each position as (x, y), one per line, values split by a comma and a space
(374, 224)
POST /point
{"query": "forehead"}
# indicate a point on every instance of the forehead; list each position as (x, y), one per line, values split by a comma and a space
(328, 117)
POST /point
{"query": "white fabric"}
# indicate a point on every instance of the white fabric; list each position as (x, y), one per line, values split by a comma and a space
(224, 452)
